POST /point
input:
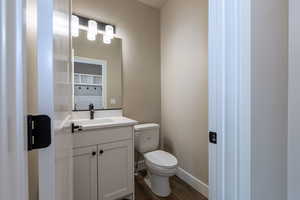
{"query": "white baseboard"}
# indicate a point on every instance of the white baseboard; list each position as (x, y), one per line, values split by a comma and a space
(193, 181)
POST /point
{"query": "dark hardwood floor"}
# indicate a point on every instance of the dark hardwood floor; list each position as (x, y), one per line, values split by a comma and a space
(180, 191)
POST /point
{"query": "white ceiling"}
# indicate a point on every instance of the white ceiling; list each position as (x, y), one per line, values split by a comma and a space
(154, 3)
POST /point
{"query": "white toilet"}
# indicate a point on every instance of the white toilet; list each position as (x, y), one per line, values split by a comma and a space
(160, 164)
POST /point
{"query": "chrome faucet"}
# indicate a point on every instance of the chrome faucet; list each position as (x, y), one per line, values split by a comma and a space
(92, 111)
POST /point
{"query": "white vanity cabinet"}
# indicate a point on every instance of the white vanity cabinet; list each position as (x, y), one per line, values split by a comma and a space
(85, 170)
(116, 170)
(103, 164)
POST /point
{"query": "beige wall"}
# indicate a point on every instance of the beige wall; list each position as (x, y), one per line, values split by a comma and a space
(111, 53)
(139, 27)
(184, 36)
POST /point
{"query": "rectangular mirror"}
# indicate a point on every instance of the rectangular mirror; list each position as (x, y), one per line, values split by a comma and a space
(97, 73)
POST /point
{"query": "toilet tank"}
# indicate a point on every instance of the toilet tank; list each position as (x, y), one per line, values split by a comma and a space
(146, 137)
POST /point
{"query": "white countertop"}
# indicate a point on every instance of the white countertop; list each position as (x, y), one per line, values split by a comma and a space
(106, 122)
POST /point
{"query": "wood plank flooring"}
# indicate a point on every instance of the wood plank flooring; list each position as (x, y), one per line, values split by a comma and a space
(180, 191)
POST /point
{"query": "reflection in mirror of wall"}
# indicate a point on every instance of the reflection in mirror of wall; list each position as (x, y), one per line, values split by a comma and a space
(97, 69)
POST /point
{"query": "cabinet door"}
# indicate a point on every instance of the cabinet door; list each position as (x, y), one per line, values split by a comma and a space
(85, 173)
(115, 170)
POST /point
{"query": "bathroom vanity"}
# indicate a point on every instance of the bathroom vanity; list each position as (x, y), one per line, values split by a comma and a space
(103, 142)
(103, 157)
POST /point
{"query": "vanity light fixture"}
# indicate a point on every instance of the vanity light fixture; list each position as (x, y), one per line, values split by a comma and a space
(75, 26)
(92, 30)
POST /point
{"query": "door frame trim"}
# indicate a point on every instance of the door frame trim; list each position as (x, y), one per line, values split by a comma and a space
(13, 101)
(230, 99)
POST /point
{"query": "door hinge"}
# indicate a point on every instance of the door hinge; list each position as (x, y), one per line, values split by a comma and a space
(213, 137)
(39, 131)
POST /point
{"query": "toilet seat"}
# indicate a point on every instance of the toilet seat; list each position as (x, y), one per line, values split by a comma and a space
(161, 159)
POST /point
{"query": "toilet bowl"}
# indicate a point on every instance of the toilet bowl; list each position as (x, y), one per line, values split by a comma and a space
(161, 165)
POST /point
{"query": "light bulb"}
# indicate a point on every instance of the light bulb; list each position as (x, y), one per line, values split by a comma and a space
(109, 31)
(106, 39)
(92, 30)
(91, 37)
(75, 26)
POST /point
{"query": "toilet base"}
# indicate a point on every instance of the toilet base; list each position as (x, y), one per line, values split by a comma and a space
(159, 185)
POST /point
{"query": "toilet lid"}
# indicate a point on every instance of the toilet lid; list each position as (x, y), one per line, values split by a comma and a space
(161, 159)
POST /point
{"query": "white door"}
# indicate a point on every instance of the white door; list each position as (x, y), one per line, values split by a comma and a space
(54, 97)
(13, 148)
(85, 173)
(115, 170)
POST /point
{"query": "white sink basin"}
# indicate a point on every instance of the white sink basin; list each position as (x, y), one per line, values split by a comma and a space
(104, 123)
(95, 121)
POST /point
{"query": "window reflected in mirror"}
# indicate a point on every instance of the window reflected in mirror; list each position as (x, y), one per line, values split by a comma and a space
(89, 83)
(97, 73)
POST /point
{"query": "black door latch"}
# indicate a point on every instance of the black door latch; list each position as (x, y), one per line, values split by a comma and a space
(39, 131)
(213, 138)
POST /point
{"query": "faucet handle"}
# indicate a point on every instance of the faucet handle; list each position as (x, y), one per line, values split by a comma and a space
(91, 106)
(91, 109)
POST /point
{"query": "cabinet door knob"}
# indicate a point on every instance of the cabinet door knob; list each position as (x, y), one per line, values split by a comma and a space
(94, 153)
(101, 152)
